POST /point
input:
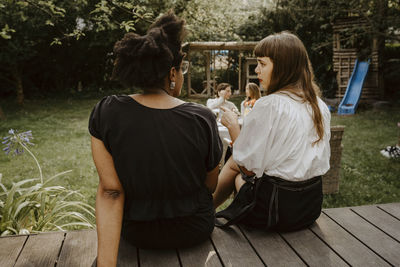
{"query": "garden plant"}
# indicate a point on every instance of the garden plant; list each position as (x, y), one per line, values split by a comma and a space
(34, 204)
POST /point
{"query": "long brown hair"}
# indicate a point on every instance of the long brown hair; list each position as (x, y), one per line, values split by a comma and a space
(292, 71)
(254, 91)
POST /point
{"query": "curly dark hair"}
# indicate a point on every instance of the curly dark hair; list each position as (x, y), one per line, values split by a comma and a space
(145, 61)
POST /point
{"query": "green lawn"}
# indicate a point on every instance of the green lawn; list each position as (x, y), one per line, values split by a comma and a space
(62, 143)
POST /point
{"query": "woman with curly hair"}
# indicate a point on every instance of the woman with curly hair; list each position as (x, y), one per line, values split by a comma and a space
(157, 156)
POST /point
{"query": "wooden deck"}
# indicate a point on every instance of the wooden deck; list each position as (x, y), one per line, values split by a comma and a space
(355, 236)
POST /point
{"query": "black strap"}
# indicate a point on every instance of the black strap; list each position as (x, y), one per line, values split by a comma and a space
(274, 199)
(242, 212)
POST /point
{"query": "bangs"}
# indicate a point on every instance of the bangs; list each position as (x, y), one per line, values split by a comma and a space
(265, 48)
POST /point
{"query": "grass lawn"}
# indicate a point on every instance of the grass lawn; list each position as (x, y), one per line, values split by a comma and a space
(59, 127)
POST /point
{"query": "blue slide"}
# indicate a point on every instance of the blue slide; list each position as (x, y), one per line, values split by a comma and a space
(352, 96)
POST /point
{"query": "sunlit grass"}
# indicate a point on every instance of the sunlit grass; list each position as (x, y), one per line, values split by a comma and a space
(366, 176)
(61, 142)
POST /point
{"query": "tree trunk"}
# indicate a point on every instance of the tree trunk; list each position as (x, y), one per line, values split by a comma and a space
(2, 116)
(20, 88)
(381, 8)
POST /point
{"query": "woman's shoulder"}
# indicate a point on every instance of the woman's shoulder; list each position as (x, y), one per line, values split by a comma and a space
(322, 105)
(110, 100)
(274, 101)
(198, 109)
(110, 105)
(326, 113)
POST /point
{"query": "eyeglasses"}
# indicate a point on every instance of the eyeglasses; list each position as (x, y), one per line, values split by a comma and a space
(185, 66)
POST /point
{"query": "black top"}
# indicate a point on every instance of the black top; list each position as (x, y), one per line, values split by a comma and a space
(161, 155)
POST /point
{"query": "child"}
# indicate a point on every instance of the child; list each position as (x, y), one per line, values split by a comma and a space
(224, 92)
(252, 94)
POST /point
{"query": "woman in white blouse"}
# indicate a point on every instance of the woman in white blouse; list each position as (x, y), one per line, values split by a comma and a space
(224, 92)
(282, 149)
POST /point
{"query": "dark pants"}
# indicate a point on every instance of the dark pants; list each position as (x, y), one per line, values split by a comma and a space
(178, 232)
(169, 233)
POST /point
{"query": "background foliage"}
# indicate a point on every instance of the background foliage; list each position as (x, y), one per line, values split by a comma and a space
(66, 46)
(312, 21)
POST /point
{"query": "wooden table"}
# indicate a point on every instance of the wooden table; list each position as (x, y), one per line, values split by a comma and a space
(356, 236)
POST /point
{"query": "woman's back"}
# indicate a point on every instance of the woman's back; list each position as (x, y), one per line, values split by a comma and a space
(161, 155)
(282, 124)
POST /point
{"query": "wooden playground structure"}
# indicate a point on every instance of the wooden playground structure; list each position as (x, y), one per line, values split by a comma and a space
(344, 58)
(206, 48)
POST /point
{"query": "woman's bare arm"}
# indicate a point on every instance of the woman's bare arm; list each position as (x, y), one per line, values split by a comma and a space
(212, 179)
(109, 206)
(229, 120)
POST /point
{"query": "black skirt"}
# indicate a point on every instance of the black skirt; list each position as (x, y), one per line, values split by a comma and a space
(274, 204)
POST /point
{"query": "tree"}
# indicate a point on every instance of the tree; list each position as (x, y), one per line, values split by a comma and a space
(31, 29)
(25, 25)
(312, 21)
(216, 20)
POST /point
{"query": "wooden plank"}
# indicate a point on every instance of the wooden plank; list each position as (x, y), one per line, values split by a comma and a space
(41, 250)
(239, 75)
(273, 250)
(208, 73)
(79, 248)
(371, 236)
(380, 219)
(312, 250)
(348, 247)
(201, 255)
(10, 247)
(234, 249)
(157, 258)
(392, 208)
(127, 255)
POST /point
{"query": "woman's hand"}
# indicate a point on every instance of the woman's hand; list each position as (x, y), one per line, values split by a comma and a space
(230, 120)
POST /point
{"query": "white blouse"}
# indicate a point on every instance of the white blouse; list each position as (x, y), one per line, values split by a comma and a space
(276, 139)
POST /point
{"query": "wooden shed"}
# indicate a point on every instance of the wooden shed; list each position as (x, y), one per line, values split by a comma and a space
(206, 48)
(344, 57)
